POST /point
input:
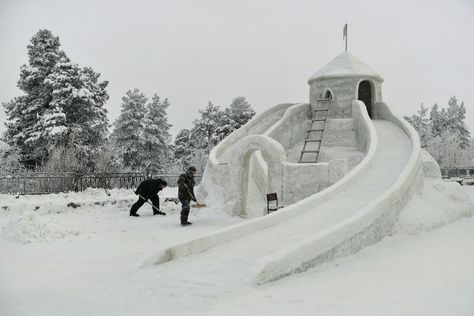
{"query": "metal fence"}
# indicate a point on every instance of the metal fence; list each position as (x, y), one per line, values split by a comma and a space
(43, 182)
(465, 173)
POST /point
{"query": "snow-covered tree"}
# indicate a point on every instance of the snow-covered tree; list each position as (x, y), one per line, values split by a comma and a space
(446, 150)
(450, 119)
(455, 116)
(421, 122)
(444, 134)
(24, 112)
(236, 115)
(204, 131)
(9, 159)
(213, 125)
(107, 161)
(183, 149)
(226, 125)
(156, 152)
(128, 133)
(240, 111)
(79, 98)
(62, 104)
(63, 159)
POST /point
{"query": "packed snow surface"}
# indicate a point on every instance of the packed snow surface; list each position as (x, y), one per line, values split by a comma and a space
(87, 259)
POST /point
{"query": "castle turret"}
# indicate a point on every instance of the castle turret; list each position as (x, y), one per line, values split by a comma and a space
(342, 80)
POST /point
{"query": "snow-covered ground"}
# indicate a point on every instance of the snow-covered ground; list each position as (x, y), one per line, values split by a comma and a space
(86, 259)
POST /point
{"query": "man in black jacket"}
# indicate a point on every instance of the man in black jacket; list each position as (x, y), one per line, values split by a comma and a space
(148, 190)
(186, 193)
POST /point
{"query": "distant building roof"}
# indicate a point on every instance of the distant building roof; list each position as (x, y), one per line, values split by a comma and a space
(345, 65)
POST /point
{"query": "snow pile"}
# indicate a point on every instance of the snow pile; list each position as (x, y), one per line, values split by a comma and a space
(438, 204)
(31, 227)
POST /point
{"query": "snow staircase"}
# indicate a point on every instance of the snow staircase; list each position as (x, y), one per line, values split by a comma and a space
(314, 136)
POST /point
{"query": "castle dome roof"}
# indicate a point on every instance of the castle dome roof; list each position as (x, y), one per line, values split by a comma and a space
(345, 65)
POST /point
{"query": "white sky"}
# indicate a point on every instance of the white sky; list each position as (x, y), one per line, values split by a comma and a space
(196, 51)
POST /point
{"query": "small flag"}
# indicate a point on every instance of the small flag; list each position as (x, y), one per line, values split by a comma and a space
(344, 33)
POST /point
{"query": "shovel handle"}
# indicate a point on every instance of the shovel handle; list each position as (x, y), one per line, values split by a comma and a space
(146, 200)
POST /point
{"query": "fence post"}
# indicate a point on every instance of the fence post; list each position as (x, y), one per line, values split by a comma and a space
(75, 183)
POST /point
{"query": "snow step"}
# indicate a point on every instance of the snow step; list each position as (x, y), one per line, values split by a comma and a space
(312, 140)
(311, 151)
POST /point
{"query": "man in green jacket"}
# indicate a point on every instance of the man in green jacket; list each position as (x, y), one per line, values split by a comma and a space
(186, 193)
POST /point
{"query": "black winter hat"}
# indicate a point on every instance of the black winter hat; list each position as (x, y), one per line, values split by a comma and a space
(192, 168)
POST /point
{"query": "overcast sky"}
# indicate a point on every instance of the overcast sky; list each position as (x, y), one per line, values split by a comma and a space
(197, 51)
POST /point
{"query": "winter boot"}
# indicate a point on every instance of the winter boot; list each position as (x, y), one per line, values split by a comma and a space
(159, 213)
(186, 223)
(134, 214)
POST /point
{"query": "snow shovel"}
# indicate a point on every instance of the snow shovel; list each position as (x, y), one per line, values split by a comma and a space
(197, 205)
(154, 207)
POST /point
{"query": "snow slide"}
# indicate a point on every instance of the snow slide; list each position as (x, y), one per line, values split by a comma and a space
(357, 211)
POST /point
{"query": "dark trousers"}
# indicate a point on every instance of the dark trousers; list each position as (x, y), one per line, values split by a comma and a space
(155, 200)
(184, 210)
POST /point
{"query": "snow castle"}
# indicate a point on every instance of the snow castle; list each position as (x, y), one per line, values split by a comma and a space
(297, 150)
(344, 165)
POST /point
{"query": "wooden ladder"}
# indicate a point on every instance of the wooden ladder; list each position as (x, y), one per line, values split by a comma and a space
(314, 137)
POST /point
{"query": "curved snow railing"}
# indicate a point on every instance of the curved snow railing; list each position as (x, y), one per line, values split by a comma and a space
(234, 137)
(365, 227)
(227, 234)
(290, 114)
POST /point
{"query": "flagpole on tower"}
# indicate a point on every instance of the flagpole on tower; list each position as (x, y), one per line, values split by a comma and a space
(344, 34)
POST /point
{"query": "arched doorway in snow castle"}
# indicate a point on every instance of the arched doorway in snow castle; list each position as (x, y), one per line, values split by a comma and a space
(258, 160)
(253, 188)
(365, 95)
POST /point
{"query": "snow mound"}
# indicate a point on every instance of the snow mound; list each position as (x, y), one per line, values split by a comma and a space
(438, 204)
(31, 227)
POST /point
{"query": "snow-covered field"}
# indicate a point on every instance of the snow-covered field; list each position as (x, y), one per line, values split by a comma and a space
(86, 259)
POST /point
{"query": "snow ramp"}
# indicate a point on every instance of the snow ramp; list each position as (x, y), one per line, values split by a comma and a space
(357, 211)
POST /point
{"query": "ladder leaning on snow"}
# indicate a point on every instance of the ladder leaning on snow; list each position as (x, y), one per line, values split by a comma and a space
(314, 136)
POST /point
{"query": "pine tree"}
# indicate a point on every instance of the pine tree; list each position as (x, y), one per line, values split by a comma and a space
(183, 148)
(240, 112)
(455, 117)
(437, 120)
(226, 126)
(204, 132)
(24, 112)
(232, 118)
(128, 133)
(421, 123)
(451, 119)
(62, 104)
(156, 152)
